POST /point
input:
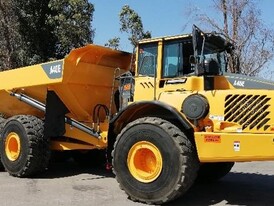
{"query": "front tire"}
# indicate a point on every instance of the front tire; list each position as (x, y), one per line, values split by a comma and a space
(154, 161)
(23, 148)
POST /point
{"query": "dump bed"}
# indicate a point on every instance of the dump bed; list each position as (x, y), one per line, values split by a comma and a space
(85, 78)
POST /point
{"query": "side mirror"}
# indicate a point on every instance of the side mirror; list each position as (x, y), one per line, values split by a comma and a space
(211, 67)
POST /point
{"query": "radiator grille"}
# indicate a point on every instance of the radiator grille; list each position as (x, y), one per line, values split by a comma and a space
(250, 111)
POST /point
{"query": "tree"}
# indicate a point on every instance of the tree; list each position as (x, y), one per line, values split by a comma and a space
(11, 48)
(241, 23)
(71, 20)
(131, 23)
(35, 31)
(113, 43)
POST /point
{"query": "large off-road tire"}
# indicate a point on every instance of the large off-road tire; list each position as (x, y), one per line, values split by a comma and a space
(210, 172)
(154, 161)
(23, 148)
(2, 123)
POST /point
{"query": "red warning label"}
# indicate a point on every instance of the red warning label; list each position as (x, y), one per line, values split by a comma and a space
(212, 138)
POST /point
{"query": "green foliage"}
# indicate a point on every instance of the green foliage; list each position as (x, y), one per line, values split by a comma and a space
(131, 23)
(11, 47)
(72, 22)
(35, 31)
(113, 43)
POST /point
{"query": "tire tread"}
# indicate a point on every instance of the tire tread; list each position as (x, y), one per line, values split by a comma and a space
(39, 152)
(188, 154)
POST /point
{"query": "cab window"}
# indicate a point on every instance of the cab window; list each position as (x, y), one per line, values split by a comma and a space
(176, 58)
(147, 59)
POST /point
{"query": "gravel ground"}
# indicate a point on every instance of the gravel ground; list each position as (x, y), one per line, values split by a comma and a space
(249, 184)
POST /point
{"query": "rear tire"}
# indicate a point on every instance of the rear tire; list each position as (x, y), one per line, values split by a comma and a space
(2, 123)
(154, 161)
(210, 172)
(24, 148)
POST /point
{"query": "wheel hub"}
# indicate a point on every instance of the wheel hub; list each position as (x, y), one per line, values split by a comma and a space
(12, 146)
(145, 161)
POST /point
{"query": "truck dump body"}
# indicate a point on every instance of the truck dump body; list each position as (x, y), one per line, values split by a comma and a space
(82, 80)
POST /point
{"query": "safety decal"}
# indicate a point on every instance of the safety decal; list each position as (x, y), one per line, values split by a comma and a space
(212, 138)
(236, 146)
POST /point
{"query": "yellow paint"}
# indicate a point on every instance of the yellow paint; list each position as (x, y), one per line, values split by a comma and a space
(76, 134)
(144, 161)
(252, 147)
(215, 135)
(88, 78)
(61, 145)
(12, 146)
(25, 77)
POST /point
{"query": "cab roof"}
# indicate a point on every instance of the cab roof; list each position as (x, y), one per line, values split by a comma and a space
(163, 38)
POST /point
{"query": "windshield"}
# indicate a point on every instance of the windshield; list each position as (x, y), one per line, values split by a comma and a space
(176, 58)
(212, 53)
(211, 49)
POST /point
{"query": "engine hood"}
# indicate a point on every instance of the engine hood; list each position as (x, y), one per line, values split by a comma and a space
(246, 82)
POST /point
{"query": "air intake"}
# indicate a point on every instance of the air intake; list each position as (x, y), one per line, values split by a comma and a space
(250, 111)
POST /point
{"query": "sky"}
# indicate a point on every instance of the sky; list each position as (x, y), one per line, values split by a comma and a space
(160, 17)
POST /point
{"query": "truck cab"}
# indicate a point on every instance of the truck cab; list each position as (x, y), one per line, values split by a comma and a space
(177, 62)
(182, 88)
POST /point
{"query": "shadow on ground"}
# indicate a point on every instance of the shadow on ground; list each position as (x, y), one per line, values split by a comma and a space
(234, 189)
(70, 168)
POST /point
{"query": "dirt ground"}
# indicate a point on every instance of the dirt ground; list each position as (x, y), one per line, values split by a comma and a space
(67, 184)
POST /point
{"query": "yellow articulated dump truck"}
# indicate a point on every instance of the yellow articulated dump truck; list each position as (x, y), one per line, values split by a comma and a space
(180, 116)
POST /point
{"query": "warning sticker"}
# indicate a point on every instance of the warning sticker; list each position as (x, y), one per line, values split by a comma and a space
(212, 138)
(237, 146)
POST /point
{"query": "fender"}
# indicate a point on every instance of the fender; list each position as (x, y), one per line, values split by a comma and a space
(148, 108)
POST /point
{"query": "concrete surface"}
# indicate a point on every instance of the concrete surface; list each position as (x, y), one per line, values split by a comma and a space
(249, 184)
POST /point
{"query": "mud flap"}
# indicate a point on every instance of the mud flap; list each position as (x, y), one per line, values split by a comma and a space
(55, 115)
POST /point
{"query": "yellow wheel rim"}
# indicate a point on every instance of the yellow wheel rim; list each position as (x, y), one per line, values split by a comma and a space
(145, 161)
(12, 146)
